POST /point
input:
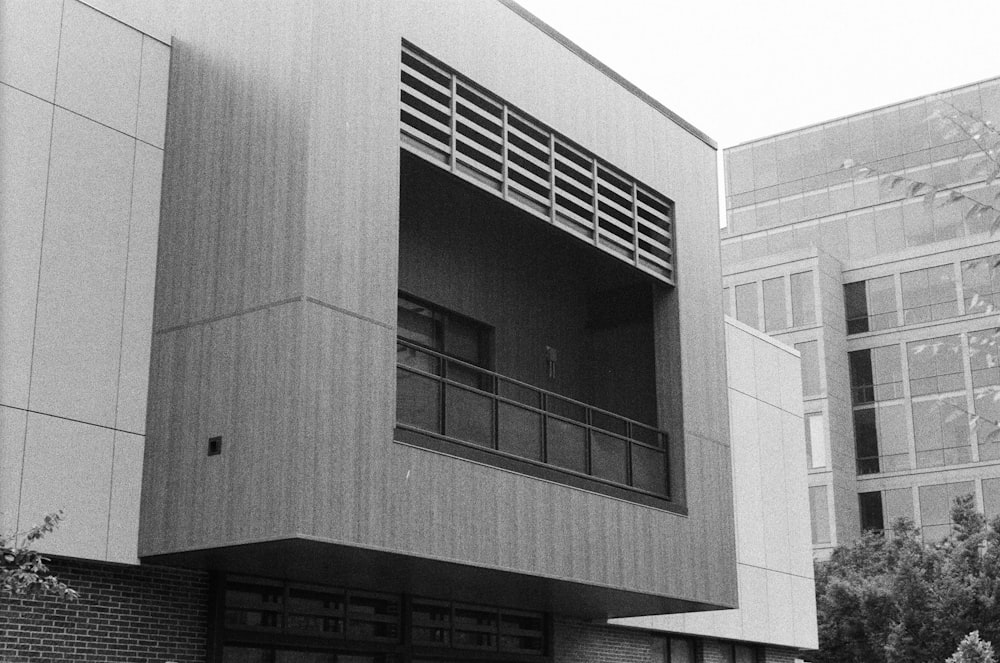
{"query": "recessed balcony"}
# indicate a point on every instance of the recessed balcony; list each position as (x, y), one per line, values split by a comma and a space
(522, 347)
(457, 406)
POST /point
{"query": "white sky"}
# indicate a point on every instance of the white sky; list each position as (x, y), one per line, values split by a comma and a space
(740, 70)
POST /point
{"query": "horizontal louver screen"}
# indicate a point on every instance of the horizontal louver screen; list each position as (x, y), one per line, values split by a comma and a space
(450, 121)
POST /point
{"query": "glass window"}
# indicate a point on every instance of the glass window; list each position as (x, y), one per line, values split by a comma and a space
(876, 374)
(746, 304)
(935, 507)
(856, 305)
(871, 305)
(727, 308)
(935, 365)
(861, 235)
(819, 514)
(765, 170)
(870, 506)
(981, 284)
(681, 650)
(987, 422)
(880, 439)
(810, 368)
(882, 303)
(983, 357)
(815, 441)
(774, 304)
(888, 228)
(672, 650)
(739, 166)
(941, 431)
(803, 299)
(437, 329)
(991, 497)
(918, 225)
(744, 654)
(928, 294)
(985, 364)
(897, 504)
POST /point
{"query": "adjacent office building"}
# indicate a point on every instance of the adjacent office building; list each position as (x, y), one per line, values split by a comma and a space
(891, 302)
(360, 333)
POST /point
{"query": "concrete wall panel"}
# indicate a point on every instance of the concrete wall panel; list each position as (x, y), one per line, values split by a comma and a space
(777, 603)
(67, 466)
(78, 332)
(99, 62)
(126, 491)
(13, 424)
(152, 115)
(29, 45)
(133, 379)
(25, 129)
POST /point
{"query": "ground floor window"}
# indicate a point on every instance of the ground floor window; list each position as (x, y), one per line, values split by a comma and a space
(273, 621)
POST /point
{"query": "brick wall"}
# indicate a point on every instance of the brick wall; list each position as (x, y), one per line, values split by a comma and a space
(579, 642)
(777, 655)
(125, 614)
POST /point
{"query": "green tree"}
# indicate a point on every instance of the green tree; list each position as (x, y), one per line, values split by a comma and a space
(23, 571)
(895, 599)
(973, 650)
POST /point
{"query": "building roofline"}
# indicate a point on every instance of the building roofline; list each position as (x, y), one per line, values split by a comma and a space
(862, 112)
(609, 72)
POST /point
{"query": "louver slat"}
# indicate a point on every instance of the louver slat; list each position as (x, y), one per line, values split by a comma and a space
(452, 122)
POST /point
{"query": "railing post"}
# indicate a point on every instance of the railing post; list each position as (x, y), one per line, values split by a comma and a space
(495, 390)
(442, 409)
(544, 402)
(628, 453)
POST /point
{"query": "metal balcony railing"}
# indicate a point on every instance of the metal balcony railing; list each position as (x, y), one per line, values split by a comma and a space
(453, 400)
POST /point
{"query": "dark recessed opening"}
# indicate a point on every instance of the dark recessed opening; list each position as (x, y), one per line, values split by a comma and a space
(214, 446)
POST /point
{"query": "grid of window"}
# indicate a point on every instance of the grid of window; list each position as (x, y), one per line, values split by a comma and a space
(870, 510)
(880, 439)
(929, 294)
(815, 441)
(879, 424)
(803, 299)
(819, 512)
(746, 304)
(880, 510)
(941, 420)
(870, 305)
(935, 365)
(941, 431)
(985, 364)
(935, 508)
(775, 314)
(811, 383)
(991, 497)
(282, 613)
(876, 374)
(981, 284)
(672, 650)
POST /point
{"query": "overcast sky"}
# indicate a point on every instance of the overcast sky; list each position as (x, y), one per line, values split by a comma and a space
(740, 70)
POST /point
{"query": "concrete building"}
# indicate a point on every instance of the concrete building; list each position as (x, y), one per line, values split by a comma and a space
(360, 333)
(889, 300)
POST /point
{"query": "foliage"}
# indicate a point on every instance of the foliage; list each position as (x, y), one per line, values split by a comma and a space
(893, 598)
(23, 571)
(982, 149)
(973, 650)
